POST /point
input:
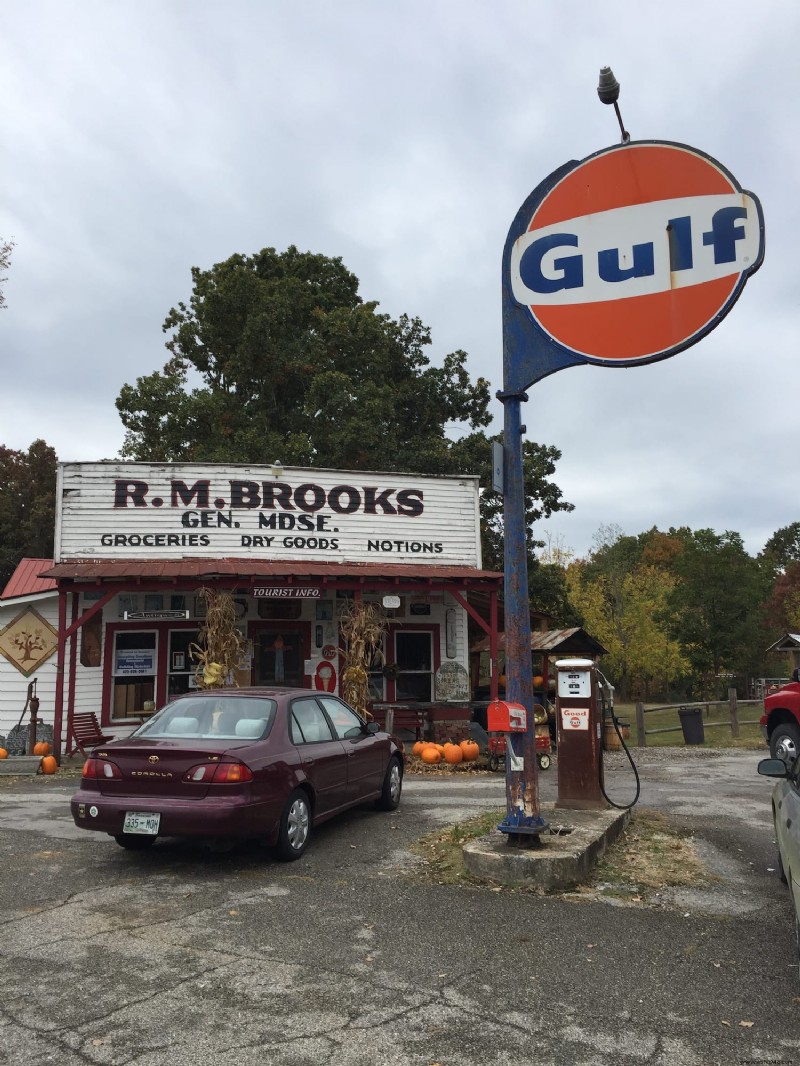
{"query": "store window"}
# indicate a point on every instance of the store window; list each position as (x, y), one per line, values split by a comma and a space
(414, 662)
(181, 665)
(134, 673)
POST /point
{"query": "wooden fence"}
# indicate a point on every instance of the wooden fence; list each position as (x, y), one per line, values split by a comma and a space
(733, 703)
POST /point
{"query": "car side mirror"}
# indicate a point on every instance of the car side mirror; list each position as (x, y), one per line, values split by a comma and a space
(773, 768)
(373, 727)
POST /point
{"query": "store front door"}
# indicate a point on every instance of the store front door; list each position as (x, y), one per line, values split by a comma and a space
(280, 653)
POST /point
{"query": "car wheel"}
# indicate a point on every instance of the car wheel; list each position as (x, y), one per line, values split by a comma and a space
(785, 742)
(134, 843)
(392, 786)
(295, 826)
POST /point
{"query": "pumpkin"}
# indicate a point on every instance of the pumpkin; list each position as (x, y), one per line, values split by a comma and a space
(453, 754)
(471, 750)
(417, 749)
(41, 748)
(439, 748)
(49, 764)
(431, 754)
(3, 753)
(538, 681)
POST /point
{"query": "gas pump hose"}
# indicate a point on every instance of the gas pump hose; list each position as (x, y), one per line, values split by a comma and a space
(619, 806)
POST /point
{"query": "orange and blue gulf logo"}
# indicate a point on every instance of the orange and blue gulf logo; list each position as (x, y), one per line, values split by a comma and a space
(637, 252)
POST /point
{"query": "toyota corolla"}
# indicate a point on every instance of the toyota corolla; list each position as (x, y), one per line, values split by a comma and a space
(233, 764)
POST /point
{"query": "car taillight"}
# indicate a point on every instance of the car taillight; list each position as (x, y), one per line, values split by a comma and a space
(101, 768)
(217, 773)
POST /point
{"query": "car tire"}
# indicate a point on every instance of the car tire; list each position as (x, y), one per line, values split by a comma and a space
(392, 786)
(134, 843)
(782, 871)
(295, 827)
(785, 742)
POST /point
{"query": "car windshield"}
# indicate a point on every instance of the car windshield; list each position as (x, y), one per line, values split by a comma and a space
(212, 717)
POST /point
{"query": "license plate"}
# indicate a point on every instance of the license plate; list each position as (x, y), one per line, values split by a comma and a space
(139, 822)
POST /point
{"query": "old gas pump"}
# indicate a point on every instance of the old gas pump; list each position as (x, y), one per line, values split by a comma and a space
(580, 733)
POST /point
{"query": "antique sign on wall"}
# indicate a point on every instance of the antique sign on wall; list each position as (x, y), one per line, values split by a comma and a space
(140, 510)
(28, 641)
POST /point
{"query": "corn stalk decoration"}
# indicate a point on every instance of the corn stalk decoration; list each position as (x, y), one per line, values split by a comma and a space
(362, 626)
(221, 644)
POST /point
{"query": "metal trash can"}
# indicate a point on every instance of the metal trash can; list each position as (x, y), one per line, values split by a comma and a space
(692, 725)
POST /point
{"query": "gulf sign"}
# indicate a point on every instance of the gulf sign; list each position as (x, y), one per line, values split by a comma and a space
(635, 253)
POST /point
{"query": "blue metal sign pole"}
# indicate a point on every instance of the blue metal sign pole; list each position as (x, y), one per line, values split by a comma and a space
(526, 358)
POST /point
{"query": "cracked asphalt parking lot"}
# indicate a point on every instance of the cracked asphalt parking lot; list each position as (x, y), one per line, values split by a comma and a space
(350, 957)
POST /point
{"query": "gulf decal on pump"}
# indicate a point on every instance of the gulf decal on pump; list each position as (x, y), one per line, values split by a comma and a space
(637, 252)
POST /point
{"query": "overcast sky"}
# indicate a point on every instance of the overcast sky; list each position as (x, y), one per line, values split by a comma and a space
(143, 137)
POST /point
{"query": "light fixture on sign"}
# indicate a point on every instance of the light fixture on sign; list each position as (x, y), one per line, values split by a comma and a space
(391, 603)
(277, 468)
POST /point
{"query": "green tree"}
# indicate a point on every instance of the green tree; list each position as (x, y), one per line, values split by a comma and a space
(715, 607)
(293, 365)
(783, 547)
(27, 505)
(473, 453)
(783, 606)
(277, 357)
(621, 591)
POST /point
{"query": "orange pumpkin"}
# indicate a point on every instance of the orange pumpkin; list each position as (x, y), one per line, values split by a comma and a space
(41, 748)
(453, 753)
(417, 749)
(3, 753)
(431, 754)
(470, 749)
(538, 681)
(49, 764)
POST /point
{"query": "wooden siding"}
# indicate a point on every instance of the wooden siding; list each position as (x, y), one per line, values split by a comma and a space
(446, 532)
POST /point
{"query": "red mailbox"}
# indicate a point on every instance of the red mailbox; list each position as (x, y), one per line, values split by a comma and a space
(502, 717)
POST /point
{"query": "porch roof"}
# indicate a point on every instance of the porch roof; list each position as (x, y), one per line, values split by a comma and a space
(138, 571)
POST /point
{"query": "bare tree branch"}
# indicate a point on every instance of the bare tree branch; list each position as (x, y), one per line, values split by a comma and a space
(5, 260)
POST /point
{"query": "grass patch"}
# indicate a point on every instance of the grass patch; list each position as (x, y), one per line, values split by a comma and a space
(443, 848)
(716, 725)
(653, 853)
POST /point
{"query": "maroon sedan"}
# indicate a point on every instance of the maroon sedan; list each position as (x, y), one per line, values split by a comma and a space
(228, 764)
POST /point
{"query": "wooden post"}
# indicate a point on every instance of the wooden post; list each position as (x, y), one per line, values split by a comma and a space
(734, 712)
(641, 735)
(389, 726)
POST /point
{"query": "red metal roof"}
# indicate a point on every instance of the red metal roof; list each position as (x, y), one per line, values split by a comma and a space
(25, 580)
(244, 569)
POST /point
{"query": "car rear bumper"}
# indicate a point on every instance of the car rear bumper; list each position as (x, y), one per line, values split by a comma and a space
(234, 817)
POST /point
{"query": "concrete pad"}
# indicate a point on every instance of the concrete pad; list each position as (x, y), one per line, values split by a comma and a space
(569, 850)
